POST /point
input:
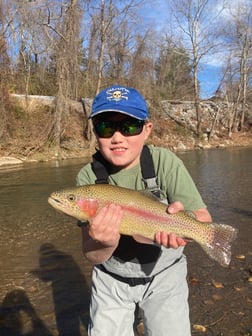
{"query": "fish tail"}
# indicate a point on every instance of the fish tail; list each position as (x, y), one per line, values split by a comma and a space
(219, 247)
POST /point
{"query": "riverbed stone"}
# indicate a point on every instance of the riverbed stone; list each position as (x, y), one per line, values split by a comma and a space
(9, 160)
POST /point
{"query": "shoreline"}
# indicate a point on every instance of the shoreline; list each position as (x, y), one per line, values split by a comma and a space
(10, 161)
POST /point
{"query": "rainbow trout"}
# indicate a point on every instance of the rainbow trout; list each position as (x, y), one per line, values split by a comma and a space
(144, 215)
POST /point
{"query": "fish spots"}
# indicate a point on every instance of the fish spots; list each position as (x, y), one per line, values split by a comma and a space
(88, 206)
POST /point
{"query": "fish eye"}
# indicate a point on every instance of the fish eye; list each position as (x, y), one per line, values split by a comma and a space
(71, 197)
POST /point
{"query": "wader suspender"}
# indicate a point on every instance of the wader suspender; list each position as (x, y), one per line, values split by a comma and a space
(100, 168)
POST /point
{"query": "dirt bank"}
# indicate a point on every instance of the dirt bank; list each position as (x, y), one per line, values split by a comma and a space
(28, 141)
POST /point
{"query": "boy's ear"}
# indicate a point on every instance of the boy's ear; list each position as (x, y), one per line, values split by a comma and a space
(148, 128)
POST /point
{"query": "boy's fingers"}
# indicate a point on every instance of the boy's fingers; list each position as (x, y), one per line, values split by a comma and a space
(175, 207)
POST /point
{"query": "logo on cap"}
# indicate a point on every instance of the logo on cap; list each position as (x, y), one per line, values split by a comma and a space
(117, 94)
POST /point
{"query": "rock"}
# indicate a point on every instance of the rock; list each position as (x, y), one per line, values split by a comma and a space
(181, 146)
(8, 160)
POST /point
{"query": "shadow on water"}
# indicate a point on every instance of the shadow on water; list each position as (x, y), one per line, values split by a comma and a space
(17, 311)
(70, 297)
(69, 289)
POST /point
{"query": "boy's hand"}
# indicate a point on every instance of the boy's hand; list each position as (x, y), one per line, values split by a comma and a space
(171, 240)
(104, 228)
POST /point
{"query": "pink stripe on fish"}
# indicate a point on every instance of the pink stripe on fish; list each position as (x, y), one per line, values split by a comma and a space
(147, 214)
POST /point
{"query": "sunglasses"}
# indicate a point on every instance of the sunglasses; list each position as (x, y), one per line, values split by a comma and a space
(105, 129)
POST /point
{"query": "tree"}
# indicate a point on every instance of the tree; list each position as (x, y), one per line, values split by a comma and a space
(46, 27)
(173, 71)
(142, 69)
(111, 35)
(239, 66)
(66, 67)
(198, 23)
(5, 114)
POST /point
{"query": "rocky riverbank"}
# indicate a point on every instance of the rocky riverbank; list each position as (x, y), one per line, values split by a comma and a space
(28, 139)
(171, 140)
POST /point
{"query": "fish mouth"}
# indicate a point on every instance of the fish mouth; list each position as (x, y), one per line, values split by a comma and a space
(54, 202)
(60, 207)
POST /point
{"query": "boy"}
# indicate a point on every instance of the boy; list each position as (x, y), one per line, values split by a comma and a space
(127, 272)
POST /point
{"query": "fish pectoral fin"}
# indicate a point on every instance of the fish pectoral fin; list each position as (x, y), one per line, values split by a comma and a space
(142, 239)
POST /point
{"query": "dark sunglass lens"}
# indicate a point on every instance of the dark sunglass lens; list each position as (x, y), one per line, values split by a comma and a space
(132, 127)
(104, 129)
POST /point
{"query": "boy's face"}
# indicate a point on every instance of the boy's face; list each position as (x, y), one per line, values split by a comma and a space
(122, 151)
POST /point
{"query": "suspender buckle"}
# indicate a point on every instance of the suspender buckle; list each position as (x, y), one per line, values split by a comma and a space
(151, 183)
(152, 186)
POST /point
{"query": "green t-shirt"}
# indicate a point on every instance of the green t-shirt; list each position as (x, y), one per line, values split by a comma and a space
(173, 178)
(176, 184)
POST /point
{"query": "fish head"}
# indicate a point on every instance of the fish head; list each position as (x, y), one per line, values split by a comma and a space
(74, 205)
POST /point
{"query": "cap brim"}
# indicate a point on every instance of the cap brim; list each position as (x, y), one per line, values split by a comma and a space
(137, 114)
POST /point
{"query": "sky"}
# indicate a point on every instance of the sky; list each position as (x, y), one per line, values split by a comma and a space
(209, 78)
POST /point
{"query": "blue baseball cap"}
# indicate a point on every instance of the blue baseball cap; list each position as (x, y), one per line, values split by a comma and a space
(120, 99)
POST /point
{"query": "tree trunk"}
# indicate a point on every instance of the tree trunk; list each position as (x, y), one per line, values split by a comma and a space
(67, 70)
(102, 46)
(214, 122)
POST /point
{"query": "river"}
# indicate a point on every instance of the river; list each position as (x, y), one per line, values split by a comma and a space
(44, 278)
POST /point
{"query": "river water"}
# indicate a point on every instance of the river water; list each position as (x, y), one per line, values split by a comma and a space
(44, 278)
